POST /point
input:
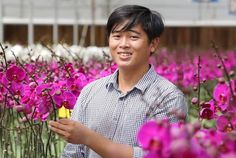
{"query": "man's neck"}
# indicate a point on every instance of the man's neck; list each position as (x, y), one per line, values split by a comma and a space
(128, 78)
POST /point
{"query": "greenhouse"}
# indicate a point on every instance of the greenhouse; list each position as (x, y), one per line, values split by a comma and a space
(117, 79)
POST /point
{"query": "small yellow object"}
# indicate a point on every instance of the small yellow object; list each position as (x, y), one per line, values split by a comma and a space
(63, 112)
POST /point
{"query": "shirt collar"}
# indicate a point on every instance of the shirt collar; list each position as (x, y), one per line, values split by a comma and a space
(112, 82)
(142, 84)
(146, 80)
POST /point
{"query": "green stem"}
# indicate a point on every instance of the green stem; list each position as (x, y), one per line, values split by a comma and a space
(199, 84)
(4, 56)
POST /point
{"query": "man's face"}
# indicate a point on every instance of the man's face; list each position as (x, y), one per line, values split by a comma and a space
(131, 48)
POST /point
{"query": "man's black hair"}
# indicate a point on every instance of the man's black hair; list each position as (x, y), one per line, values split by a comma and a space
(151, 21)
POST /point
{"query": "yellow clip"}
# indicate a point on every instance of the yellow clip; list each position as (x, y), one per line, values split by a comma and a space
(63, 112)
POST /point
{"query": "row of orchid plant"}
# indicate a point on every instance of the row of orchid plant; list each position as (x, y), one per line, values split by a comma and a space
(33, 89)
(31, 92)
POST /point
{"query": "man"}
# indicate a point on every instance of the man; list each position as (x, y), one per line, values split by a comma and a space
(110, 111)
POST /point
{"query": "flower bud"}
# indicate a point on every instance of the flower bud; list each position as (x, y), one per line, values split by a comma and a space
(194, 100)
(219, 66)
(221, 80)
(231, 73)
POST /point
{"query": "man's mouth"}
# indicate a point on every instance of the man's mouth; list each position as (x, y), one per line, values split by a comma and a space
(125, 54)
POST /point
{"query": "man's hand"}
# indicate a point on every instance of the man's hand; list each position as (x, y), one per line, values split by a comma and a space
(76, 133)
(72, 131)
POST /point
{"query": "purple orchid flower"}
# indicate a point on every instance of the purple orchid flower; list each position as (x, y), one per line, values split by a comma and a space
(66, 99)
(15, 73)
(207, 110)
(155, 137)
(222, 95)
(226, 122)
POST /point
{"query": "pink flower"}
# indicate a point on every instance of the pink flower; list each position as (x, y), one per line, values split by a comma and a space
(66, 99)
(76, 84)
(231, 154)
(41, 90)
(17, 88)
(15, 73)
(222, 95)
(207, 110)
(155, 136)
(226, 122)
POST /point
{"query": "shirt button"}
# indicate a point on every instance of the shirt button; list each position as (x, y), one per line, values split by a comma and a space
(122, 98)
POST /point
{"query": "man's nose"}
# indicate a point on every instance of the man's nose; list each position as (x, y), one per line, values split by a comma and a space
(124, 42)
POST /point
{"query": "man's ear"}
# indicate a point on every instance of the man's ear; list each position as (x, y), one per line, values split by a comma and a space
(154, 44)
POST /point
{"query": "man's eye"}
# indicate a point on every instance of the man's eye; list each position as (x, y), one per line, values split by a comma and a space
(134, 37)
(116, 36)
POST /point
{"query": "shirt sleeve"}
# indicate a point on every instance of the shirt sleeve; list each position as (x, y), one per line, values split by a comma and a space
(138, 152)
(76, 150)
(173, 107)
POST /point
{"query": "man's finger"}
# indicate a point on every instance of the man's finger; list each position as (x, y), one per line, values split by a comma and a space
(60, 132)
(58, 125)
(65, 121)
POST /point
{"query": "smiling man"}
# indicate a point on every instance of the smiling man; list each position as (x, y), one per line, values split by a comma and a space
(110, 111)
